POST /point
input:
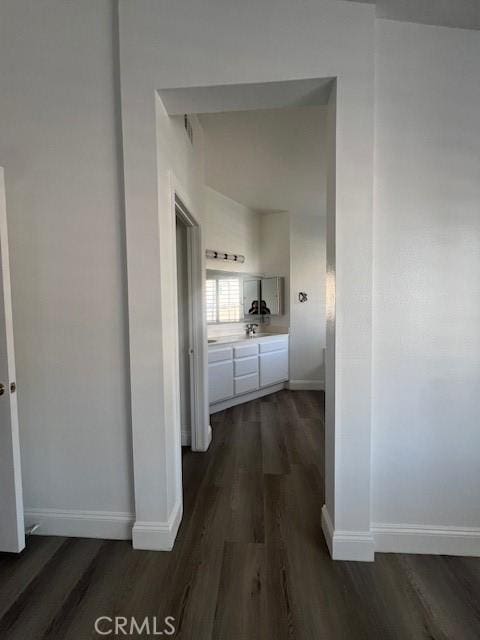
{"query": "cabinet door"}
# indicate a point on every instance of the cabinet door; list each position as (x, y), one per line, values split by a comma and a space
(220, 381)
(273, 367)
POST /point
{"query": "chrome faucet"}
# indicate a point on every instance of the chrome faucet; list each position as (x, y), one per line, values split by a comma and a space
(251, 330)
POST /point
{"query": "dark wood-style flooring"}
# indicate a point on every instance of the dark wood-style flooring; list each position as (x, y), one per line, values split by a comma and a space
(250, 561)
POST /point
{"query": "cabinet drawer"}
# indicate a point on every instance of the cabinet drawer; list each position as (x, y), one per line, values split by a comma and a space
(218, 355)
(273, 345)
(245, 365)
(220, 381)
(246, 384)
(273, 367)
(245, 350)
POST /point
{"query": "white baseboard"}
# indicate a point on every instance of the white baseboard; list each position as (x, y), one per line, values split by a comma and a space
(246, 397)
(327, 528)
(186, 436)
(204, 446)
(207, 443)
(209, 437)
(406, 538)
(157, 536)
(306, 385)
(109, 525)
(81, 524)
(347, 545)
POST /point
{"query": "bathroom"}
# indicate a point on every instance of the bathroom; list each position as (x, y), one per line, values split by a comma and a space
(264, 235)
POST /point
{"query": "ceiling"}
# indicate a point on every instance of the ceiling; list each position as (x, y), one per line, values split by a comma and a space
(464, 14)
(268, 160)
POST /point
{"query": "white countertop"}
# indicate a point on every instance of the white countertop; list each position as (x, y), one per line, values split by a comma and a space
(244, 338)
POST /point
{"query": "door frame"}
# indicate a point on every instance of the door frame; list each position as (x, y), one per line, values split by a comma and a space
(201, 432)
(13, 537)
(148, 155)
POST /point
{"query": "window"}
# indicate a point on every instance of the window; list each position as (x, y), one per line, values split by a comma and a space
(224, 302)
(211, 301)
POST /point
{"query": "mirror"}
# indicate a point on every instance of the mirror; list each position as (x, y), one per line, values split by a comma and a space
(233, 297)
(271, 298)
(251, 296)
(262, 296)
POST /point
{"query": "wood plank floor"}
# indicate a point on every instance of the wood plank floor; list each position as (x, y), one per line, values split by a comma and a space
(249, 562)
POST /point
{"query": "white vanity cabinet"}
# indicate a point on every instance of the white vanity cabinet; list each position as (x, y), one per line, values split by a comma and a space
(246, 368)
(273, 362)
(220, 374)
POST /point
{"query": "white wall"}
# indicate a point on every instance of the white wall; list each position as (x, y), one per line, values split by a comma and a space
(426, 381)
(153, 319)
(275, 257)
(169, 164)
(330, 304)
(59, 145)
(307, 319)
(233, 228)
(268, 159)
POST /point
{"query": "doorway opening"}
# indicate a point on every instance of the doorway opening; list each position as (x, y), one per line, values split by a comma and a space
(348, 217)
(184, 349)
(189, 325)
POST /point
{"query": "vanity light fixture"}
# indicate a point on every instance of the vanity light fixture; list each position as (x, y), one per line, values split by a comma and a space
(221, 255)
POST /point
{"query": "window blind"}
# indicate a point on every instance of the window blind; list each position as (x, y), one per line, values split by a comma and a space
(211, 292)
(223, 299)
(229, 300)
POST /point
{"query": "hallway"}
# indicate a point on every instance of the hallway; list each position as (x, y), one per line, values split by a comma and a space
(250, 561)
